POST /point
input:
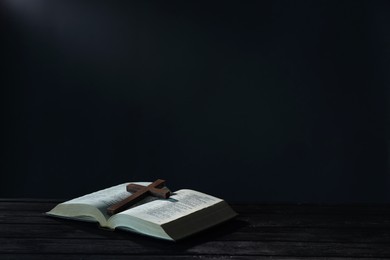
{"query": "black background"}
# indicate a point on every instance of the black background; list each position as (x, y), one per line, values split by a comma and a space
(268, 101)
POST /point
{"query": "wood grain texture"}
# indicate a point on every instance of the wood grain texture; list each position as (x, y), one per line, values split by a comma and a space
(260, 232)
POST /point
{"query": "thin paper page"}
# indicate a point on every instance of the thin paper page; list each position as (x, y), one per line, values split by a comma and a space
(182, 203)
(105, 198)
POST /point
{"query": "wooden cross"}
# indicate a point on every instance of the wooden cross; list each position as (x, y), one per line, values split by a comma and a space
(140, 192)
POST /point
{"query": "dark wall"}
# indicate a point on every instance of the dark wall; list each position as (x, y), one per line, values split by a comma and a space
(250, 101)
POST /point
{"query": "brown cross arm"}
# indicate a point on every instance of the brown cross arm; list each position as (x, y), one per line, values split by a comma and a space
(126, 203)
(140, 193)
(162, 193)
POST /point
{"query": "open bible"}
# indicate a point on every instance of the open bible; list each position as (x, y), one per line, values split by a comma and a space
(186, 212)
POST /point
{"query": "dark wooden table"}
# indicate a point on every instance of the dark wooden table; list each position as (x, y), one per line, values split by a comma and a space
(260, 232)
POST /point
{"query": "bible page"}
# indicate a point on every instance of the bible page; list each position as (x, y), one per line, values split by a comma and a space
(99, 200)
(103, 199)
(181, 203)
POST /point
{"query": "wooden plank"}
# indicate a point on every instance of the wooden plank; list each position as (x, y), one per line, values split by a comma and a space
(220, 233)
(252, 221)
(27, 206)
(30, 200)
(37, 218)
(329, 221)
(43, 206)
(312, 209)
(164, 257)
(191, 247)
(302, 231)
